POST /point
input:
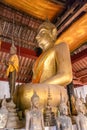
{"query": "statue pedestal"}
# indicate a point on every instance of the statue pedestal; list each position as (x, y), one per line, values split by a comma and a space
(50, 128)
(46, 128)
(74, 127)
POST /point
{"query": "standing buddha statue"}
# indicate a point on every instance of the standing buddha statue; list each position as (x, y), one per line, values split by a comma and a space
(34, 117)
(81, 119)
(12, 68)
(64, 121)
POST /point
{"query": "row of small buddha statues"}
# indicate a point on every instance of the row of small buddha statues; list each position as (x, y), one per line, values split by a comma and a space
(38, 120)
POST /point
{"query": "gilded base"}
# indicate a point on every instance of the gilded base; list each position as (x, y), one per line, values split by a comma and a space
(24, 92)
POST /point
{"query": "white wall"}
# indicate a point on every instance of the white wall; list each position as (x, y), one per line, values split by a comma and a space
(83, 91)
(4, 89)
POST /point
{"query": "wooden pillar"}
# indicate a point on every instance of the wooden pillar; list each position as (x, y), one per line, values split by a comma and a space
(70, 91)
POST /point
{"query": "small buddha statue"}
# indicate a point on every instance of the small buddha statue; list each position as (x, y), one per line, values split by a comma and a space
(84, 104)
(81, 119)
(3, 114)
(64, 121)
(12, 68)
(34, 117)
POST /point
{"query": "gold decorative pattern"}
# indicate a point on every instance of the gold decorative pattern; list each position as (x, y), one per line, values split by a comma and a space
(76, 34)
(38, 8)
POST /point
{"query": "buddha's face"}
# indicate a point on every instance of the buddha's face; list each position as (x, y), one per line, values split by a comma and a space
(12, 51)
(44, 39)
(35, 102)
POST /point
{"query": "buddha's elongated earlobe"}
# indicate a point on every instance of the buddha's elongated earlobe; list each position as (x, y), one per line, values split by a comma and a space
(54, 33)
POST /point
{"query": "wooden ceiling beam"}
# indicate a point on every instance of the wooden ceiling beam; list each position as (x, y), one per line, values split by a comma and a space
(61, 2)
(66, 15)
(79, 56)
(72, 16)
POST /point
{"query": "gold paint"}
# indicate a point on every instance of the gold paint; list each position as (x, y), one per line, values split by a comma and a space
(38, 8)
(25, 92)
(76, 34)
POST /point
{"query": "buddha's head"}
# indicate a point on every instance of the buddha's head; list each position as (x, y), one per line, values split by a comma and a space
(35, 100)
(46, 36)
(13, 50)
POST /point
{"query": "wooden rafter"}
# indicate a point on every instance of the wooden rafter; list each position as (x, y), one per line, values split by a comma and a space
(79, 56)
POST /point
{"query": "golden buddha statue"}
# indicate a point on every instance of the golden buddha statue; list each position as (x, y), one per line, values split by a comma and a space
(34, 117)
(63, 121)
(51, 69)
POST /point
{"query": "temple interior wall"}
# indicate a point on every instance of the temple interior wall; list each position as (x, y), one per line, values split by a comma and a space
(82, 90)
(4, 89)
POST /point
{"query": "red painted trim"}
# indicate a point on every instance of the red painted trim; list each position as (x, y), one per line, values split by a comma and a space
(79, 56)
(5, 47)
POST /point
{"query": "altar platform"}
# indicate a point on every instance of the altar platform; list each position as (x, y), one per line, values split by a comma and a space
(46, 128)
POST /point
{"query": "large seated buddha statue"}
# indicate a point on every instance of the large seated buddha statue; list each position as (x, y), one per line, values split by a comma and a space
(51, 69)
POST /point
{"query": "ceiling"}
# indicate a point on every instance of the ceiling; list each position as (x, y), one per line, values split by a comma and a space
(76, 34)
(20, 21)
(42, 9)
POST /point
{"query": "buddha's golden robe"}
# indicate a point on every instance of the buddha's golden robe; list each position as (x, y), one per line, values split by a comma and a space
(41, 71)
(54, 63)
(14, 66)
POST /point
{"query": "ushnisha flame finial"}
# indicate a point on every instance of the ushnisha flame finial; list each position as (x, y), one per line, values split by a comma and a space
(34, 95)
